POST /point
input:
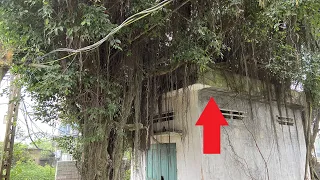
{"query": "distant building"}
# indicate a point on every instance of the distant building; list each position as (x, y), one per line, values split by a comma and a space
(66, 168)
(37, 156)
(66, 130)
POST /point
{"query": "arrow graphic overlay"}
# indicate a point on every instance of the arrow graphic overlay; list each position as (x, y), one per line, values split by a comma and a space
(211, 119)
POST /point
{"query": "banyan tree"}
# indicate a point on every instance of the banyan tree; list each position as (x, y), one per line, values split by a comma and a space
(103, 65)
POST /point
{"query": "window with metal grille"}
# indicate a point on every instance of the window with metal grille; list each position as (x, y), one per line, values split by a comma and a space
(167, 116)
(285, 120)
(232, 114)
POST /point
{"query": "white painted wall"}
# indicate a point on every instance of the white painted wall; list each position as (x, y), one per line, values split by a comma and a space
(254, 148)
(317, 147)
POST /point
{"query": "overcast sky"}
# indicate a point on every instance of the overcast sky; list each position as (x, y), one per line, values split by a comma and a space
(34, 126)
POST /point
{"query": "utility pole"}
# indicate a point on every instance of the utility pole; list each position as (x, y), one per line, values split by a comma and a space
(12, 116)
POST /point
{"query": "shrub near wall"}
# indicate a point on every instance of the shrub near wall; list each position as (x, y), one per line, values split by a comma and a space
(31, 171)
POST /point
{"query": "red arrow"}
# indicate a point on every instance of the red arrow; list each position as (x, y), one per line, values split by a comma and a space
(211, 119)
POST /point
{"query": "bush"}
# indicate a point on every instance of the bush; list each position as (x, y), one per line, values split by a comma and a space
(31, 171)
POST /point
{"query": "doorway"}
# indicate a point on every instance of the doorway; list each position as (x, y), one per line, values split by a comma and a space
(162, 162)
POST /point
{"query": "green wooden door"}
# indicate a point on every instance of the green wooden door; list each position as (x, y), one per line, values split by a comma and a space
(162, 162)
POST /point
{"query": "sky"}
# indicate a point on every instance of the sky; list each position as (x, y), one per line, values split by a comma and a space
(35, 127)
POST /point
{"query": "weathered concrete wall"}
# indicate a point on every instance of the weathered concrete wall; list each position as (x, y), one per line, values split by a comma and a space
(257, 147)
(67, 170)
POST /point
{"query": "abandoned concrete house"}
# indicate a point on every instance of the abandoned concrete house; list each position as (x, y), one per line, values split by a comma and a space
(264, 138)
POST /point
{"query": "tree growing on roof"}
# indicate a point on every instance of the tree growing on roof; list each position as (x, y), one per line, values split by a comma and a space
(105, 65)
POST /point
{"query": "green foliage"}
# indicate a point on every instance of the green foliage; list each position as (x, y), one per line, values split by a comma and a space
(31, 171)
(46, 146)
(24, 168)
(51, 86)
(201, 47)
(71, 145)
(311, 77)
(95, 23)
(98, 91)
(19, 154)
(127, 175)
